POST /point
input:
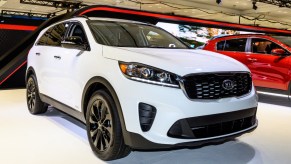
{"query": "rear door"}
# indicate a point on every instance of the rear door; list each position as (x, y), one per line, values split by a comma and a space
(51, 72)
(235, 48)
(268, 70)
(43, 62)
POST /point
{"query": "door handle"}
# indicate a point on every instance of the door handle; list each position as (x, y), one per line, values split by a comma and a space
(57, 57)
(38, 54)
(252, 59)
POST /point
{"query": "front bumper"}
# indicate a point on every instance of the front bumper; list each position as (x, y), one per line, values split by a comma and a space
(136, 141)
(240, 125)
(171, 105)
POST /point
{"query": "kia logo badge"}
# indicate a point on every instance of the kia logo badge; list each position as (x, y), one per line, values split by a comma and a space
(227, 84)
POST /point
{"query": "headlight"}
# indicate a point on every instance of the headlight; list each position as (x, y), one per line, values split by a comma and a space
(149, 74)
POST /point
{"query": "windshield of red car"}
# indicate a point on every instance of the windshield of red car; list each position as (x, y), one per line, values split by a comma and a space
(284, 39)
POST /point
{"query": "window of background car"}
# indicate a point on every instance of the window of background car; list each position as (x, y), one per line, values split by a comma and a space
(232, 45)
(220, 45)
(124, 34)
(263, 46)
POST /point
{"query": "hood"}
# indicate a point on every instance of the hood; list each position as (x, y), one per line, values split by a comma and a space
(178, 61)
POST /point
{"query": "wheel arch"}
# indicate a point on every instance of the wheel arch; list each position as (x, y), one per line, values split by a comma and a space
(29, 71)
(97, 83)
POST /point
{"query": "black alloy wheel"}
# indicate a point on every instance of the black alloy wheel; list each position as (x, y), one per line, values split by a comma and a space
(103, 127)
(31, 94)
(34, 103)
(100, 124)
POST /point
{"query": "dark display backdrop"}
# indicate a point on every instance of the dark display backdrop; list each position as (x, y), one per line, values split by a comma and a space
(17, 80)
(9, 38)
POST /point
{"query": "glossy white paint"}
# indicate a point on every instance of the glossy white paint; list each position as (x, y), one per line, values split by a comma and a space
(64, 80)
(178, 61)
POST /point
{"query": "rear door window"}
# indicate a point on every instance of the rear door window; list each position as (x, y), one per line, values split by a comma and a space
(56, 35)
(43, 39)
(238, 45)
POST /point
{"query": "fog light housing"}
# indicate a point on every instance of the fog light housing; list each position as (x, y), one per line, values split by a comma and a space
(147, 114)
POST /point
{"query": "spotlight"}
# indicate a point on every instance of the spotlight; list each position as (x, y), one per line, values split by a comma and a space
(218, 1)
(255, 7)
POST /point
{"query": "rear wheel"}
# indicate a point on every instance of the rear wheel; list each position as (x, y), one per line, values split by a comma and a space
(34, 103)
(104, 129)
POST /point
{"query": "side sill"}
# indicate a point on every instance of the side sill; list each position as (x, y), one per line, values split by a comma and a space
(62, 107)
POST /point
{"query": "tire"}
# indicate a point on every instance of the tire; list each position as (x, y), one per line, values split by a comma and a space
(103, 128)
(34, 103)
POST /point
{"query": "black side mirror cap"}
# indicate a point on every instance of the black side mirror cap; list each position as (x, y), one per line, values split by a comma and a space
(75, 42)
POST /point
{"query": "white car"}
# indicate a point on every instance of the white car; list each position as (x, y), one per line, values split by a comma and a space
(138, 87)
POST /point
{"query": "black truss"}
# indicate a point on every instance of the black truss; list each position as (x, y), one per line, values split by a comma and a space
(65, 4)
(27, 14)
(280, 3)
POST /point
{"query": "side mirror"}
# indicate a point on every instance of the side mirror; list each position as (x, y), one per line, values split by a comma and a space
(73, 42)
(278, 51)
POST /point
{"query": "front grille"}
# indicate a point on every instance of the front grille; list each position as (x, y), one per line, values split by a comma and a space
(210, 85)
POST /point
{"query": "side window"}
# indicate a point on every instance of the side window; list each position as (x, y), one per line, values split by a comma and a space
(43, 39)
(220, 45)
(235, 45)
(55, 37)
(77, 30)
(263, 46)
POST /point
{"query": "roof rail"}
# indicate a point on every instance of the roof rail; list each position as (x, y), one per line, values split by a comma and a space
(82, 16)
(230, 35)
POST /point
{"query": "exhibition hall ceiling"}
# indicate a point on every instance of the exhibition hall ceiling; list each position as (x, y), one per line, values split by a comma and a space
(234, 11)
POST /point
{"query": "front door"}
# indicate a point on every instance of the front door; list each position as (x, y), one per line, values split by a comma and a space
(268, 70)
(71, 57)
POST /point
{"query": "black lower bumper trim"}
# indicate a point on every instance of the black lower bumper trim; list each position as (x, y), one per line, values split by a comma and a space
(208, 126)
(136, 141)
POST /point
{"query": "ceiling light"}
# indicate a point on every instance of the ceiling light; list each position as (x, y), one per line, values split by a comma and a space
(255, 7)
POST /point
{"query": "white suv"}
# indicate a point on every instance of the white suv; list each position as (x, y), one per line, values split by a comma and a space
(138, 87)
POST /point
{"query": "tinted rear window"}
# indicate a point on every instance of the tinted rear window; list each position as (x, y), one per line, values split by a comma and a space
(232, 45)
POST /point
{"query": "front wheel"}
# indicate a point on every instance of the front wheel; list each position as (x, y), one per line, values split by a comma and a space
(103, 127)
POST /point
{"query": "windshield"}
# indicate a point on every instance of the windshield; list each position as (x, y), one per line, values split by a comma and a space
(284, 39)
(123, 34)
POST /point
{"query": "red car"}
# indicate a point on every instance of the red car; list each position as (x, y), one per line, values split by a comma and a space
(268, 58)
